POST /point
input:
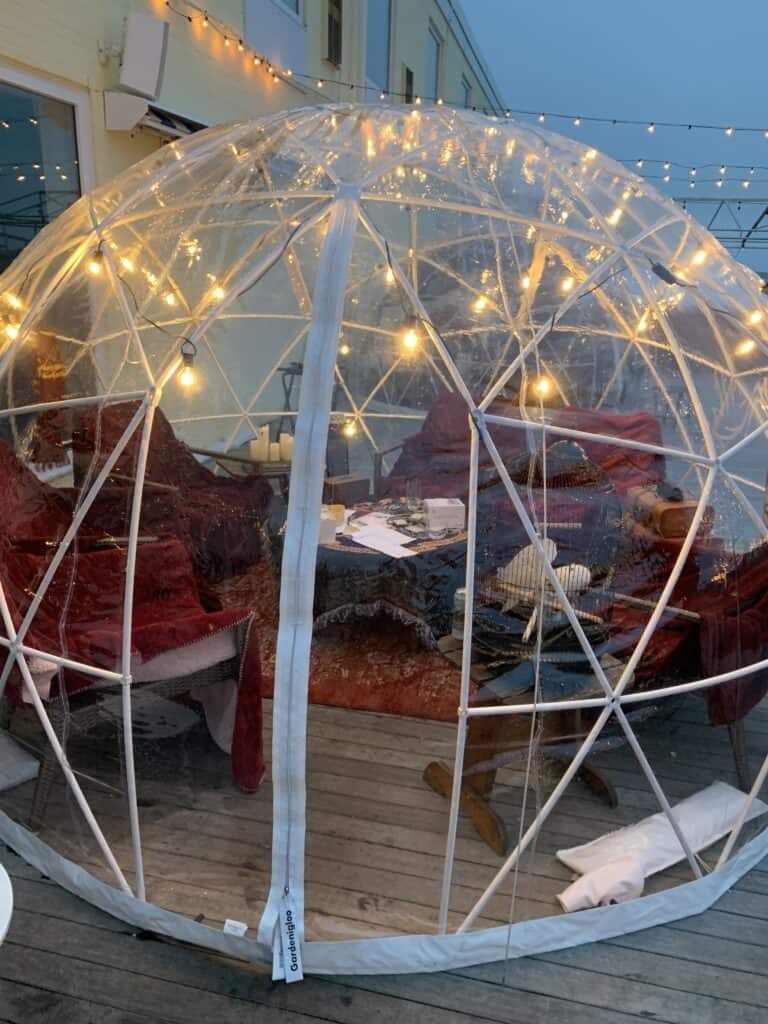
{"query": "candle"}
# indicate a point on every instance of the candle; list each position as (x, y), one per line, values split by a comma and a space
(260, 445)
(286, 447)
(274, 452)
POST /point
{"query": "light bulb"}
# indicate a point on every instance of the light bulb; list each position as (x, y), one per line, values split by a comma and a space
(126, 264)
(729, 131)
(693, 172)
(526, 281)
(567, 284)
(13, 300)
(722, 168)
(218, 292)
(349, 429)
(698, 257)
(745, 183)
(543, 387)
(12, 331)
(344, 349)
(320, 83)
(541, 118)
(95, 263)
(577, 121)
(480, 303)
(747, 346)
(206, 21)
(615, 217)
(227, 41)
(417, 101)
(719, 183)
(382, 95)
(638, 163)
(667, 165)
(410, 337)
(390, 276)
(186, 377)
(170, 299)
(755, 317)
(666, 177)
(440, 102)
(256, 61)
(651, 127)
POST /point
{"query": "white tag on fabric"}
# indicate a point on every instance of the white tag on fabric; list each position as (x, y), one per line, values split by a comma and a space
(290, 942)
(235, 928)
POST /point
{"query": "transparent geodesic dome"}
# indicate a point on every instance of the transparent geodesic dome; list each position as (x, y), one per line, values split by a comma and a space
(383, 543)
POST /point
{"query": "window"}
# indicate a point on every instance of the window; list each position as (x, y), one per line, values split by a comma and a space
(334, 32)
(408, 83)
(377, 42)
(466, 92)
(434, 48)
(293, 5)
(41, 175)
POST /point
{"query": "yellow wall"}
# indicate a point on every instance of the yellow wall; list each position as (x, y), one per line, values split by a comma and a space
(203, 79)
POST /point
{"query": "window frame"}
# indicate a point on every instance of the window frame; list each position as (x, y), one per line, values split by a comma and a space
(466, 86)
(386, 88)
(297, 16)
(434, 33)
(330, 57)
(75, 97)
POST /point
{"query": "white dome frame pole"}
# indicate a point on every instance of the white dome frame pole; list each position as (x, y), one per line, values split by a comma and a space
(294, 639)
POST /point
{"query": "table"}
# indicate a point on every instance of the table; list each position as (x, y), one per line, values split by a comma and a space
(490, 738)
(6, 902)
(353, 580)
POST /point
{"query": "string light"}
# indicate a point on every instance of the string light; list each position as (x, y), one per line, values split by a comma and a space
(390, 276)
(698, 257)
(745, 183)
(729, 131)
(541, 119)
(747, 346)
(615, 217)
(349, 429)
(577, 121)
(693, 172)
(187, 373)
(126, 264)
(639, 163)
(756, 316)
(719, 183)
(651, 128)
(410, 336)
(567, 284)
(96, 262)
(170, 299)
(344, 349)
(722, 168)
(543, 387)
(319, 83)
(13, 300)
(12, 331)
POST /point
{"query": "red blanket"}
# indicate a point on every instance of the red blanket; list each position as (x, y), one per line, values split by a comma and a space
(81, 617)
(436, 459)
(734, 634)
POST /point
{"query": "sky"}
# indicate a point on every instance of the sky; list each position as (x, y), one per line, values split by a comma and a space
(653, 60)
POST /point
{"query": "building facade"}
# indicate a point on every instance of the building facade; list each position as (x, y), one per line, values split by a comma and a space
(88, 88)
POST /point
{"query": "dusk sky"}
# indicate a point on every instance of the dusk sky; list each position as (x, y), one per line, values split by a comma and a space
(661, 60)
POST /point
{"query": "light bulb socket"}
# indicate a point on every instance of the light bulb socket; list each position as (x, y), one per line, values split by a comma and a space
(188, 352)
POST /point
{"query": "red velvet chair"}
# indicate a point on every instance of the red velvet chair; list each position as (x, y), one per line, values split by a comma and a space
(219, 518)
(80, 616)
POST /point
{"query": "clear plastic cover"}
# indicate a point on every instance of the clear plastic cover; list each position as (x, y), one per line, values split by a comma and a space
(518, 398)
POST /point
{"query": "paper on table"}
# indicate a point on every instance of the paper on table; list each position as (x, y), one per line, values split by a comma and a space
(382, 539)
(379, 524)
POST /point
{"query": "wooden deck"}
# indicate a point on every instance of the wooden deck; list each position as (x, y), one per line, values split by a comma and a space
(376, 833)
(66, 963)
(375, 850)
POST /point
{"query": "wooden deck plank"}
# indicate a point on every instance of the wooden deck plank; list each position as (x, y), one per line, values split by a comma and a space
(165, 982)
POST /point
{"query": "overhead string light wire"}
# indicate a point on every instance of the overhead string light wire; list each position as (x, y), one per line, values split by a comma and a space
(232, 36)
